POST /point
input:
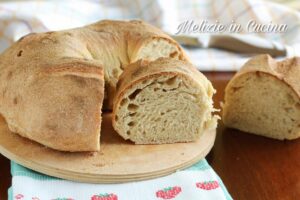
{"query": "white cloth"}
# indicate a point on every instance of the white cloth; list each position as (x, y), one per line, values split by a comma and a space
(19, 18)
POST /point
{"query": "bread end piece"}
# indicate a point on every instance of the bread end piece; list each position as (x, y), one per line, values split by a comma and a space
(264, 98)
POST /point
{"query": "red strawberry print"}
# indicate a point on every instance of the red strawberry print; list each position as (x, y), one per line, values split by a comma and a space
(208, 185)
(168, 193)
(105, 196)
(19, 196)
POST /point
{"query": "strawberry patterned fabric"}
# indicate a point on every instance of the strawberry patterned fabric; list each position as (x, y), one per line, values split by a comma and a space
(197, 182)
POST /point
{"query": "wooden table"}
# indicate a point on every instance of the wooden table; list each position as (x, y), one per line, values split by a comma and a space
(250, 166)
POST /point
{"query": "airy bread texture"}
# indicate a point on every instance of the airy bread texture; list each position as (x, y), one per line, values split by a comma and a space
(52, 84)
(164, 101)
(264, 98)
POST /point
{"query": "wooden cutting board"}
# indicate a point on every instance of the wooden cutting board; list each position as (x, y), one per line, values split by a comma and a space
(117, 161)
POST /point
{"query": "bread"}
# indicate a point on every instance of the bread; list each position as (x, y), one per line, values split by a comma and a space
(52, 84)
(264, 98)
(164, 101)
(117, 43)
(56, 103)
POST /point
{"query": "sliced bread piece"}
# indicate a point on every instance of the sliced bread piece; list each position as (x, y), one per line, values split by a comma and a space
(164, 101)
(264, 98)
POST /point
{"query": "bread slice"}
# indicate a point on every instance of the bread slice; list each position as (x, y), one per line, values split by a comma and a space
(164, 101)
(264, 98)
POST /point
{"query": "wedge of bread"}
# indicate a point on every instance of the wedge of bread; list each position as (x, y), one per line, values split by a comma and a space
(264, 98)
(164, 101)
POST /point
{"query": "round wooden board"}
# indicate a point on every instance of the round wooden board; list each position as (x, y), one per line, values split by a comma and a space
(118, 160)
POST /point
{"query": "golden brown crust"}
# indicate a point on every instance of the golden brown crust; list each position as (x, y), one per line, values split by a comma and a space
(287, 70)
(141, 68)
(135, 34)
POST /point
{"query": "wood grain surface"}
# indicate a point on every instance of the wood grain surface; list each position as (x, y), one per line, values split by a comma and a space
(117, 161)
(251, 167)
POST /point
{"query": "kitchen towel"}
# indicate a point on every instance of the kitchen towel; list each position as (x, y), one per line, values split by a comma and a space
(18, 18)
(197, 182)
